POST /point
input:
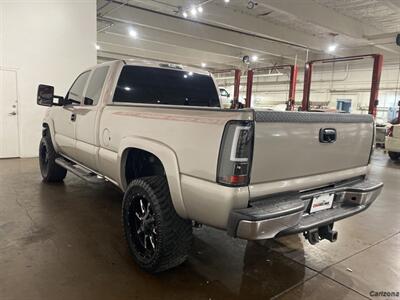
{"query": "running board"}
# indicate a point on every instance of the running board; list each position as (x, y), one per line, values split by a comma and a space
(79, 171)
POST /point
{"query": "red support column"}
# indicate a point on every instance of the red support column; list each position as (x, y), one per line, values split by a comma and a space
(249, 88)
(305, 105)
(376, 78)
(236, 86)
(292, 87)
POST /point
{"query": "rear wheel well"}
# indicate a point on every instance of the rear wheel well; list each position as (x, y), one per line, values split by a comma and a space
(141, 163)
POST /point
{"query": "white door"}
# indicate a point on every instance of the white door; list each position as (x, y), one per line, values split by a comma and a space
(9, 136)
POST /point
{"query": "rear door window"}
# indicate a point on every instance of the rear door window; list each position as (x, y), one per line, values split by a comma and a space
(149, 85)
(96, 84)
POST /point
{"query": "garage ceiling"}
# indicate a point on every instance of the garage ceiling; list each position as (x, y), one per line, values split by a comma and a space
(274, 31)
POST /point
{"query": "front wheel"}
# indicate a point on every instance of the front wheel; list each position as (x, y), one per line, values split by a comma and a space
(157, 237)
(395, 156)
(51, 172)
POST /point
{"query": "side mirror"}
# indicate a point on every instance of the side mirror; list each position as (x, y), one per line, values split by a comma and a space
(88, 101)
(46, 97)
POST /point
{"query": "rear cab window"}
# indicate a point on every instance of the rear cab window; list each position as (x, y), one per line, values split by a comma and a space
(149, 85)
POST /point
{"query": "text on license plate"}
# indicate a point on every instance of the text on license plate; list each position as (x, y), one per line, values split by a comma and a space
(321, 202)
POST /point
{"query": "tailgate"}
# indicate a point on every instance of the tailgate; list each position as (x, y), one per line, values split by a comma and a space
(287, 144)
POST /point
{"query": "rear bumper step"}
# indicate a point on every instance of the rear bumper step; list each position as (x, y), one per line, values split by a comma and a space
(287, 214)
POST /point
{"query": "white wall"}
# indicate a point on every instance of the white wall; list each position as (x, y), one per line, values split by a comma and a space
(327, 87)
(47, 42)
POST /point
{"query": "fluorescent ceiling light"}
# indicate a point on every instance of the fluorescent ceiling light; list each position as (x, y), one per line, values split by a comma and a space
(200, 9)
(203, 65)
(332, 47)
(97, 47)
(193, 11)
(185, 15)
(133, 33)
(254, 58)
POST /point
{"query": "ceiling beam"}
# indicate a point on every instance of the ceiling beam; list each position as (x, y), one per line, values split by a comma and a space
(117, 51)
(229, 18)
(312, 12)
(156, 47)
(168, 38)
(202, 32)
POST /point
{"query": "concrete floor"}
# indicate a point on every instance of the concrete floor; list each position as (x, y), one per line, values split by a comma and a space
(64, 241)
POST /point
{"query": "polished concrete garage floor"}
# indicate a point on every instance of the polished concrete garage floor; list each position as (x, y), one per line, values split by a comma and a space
(64, 241)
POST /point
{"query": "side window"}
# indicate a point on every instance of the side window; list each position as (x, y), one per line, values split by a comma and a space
(76, 91)
(95, 87)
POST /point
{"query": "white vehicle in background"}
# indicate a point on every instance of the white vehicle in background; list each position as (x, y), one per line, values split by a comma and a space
(392, 143)
(225, 98)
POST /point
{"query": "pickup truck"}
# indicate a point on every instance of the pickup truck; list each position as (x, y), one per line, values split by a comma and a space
(159, 133)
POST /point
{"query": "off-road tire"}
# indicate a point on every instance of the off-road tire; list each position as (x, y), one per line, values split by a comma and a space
(51, 172)
(395, 156)
(170, 235)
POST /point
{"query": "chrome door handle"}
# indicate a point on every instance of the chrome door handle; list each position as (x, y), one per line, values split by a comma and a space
(12, 113)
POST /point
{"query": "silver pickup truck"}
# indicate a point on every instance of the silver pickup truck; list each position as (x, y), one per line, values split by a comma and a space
(158, 132)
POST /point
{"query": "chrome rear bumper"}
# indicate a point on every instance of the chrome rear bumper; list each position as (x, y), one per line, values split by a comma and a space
(287, 214)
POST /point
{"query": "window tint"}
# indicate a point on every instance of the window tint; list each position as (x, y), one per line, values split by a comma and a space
(163, 86)
(76, 91)
(96, 84)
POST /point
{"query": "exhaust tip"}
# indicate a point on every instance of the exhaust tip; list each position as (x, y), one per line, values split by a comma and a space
(334, 236)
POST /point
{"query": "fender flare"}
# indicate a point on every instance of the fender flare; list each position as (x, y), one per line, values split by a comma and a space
(50, 125)
(167, 157)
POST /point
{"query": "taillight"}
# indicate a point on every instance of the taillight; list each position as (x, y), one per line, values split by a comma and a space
(235, 154)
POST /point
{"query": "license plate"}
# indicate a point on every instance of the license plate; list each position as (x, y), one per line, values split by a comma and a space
(321, 202)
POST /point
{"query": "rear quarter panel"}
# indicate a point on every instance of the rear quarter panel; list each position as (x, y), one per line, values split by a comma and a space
(194, 135)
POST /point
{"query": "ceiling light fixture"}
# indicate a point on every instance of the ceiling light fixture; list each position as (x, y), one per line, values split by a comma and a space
(226, 1)
(254, 58)
(193, 11)
(97, 47)
(200, 9)
(133, 33)
(203, 65)
(332, 47)
(185, 15)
